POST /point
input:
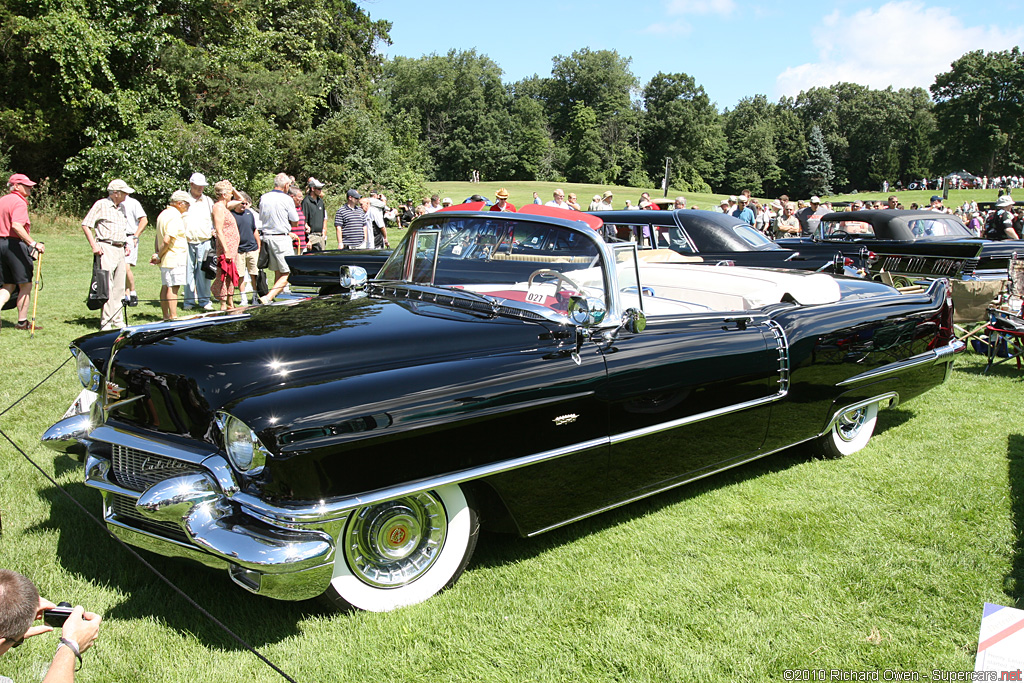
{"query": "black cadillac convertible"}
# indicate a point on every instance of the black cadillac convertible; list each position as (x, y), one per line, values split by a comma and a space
(511, 371)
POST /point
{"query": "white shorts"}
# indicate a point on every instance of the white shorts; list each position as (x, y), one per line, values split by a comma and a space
(131, 251)
(172, 277)
(279, 246)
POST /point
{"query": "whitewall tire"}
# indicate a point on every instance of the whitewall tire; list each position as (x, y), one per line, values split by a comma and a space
(403, 551)
(851, 432)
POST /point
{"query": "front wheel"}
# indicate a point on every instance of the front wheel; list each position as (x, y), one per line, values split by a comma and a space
(403, 551)
(851, 432)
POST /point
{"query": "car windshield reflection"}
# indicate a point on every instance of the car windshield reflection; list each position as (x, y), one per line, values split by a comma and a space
(512, 261)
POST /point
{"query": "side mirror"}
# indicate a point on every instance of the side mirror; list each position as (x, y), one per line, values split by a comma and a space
(586, 311)
(634, 320)
(351, 278)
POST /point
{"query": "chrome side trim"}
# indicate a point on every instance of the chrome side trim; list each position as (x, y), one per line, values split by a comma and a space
(669, 487)
(690, 419)
(328, 510)
(934, 356)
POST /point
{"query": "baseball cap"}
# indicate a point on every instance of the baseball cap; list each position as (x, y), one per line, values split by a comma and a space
(198, 179)
(935, 198)
(314, 183)
(119, 185)
(815, 199)
(20, 179)
(446, 200)
(354, 194)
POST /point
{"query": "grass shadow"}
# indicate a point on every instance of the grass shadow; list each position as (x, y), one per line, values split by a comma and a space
(86, 549)
(1015, 458)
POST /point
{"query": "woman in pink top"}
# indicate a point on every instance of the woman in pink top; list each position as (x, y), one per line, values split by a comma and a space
(226, 230)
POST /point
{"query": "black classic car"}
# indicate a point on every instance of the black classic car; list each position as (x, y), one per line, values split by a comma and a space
(515, 371)
(711, 237)
(908, 245)
(707, 237)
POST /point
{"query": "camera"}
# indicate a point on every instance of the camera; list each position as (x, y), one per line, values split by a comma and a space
(58, 615)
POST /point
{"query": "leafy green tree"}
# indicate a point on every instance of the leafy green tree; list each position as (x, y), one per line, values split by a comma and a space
(750, 134)
(980, 112)
(818, 174)
(682, 123)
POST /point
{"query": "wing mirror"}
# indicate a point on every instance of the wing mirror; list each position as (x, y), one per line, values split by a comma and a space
(586, 311)
(351, 278)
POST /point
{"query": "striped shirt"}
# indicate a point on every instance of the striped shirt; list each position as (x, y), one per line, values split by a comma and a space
(352, 221)
(106, 221)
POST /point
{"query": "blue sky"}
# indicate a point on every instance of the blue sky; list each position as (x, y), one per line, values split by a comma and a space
(733, 48)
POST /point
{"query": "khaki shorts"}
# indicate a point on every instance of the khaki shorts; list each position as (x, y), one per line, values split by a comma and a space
(247, 261)
(316, 241)
(279, 246)
(172, 277)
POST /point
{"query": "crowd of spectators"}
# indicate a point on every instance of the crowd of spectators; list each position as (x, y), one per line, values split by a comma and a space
(217, 243)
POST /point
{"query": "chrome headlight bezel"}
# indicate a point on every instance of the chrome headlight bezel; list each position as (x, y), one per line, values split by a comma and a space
(88, 375)
(244, 450)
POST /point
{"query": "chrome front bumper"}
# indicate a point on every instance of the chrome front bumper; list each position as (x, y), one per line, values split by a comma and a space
(193, 515)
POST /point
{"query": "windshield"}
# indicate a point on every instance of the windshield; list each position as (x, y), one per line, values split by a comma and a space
(510, 260)
(753, 237)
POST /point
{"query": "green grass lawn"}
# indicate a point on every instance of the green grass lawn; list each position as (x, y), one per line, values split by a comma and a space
(879, 560)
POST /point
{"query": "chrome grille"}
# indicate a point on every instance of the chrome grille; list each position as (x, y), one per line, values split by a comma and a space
(124, 510)
(138, 470)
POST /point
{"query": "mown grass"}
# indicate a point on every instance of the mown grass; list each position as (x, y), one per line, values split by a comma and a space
(879, 560)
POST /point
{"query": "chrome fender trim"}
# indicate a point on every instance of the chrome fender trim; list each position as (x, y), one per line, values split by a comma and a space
(935, 356)
(890, 399)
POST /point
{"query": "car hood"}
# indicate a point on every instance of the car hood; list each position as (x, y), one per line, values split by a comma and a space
(184, 375)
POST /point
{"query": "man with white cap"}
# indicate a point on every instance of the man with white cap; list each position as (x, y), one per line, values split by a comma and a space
(105, 226)
(999, 225)
(810, 216)
(198, 230)
(17, 247)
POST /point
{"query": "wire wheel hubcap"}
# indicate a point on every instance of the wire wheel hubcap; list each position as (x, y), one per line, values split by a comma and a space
(394, 543)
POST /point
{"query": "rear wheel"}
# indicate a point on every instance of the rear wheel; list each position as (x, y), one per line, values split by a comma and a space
(403, 551)
(851, 432)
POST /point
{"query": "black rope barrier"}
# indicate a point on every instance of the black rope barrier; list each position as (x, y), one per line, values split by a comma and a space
(199, 608)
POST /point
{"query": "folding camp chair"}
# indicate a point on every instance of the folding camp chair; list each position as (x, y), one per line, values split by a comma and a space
(1005, 338)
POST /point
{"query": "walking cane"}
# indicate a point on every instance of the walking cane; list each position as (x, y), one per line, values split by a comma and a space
(35, 294)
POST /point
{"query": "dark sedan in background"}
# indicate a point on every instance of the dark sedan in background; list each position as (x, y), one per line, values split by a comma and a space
(908, 245)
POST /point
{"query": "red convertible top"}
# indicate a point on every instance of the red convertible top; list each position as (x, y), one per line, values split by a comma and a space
(555, 212)
(536, 209)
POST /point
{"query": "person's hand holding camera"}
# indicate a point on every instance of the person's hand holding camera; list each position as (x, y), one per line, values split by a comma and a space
(81, 627)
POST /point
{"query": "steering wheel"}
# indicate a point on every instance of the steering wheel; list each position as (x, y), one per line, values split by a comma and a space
(839, 234)
(548, 272)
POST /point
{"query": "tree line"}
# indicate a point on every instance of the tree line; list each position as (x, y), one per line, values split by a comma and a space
(152, 90)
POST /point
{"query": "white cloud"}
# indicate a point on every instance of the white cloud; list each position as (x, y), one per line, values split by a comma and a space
(902, 44)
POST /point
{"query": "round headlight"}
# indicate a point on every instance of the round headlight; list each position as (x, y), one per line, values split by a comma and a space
(245, 452)
(88, 375)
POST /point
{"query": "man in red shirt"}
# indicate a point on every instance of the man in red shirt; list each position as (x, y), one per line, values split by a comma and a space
(502, 204)
(17, 247)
